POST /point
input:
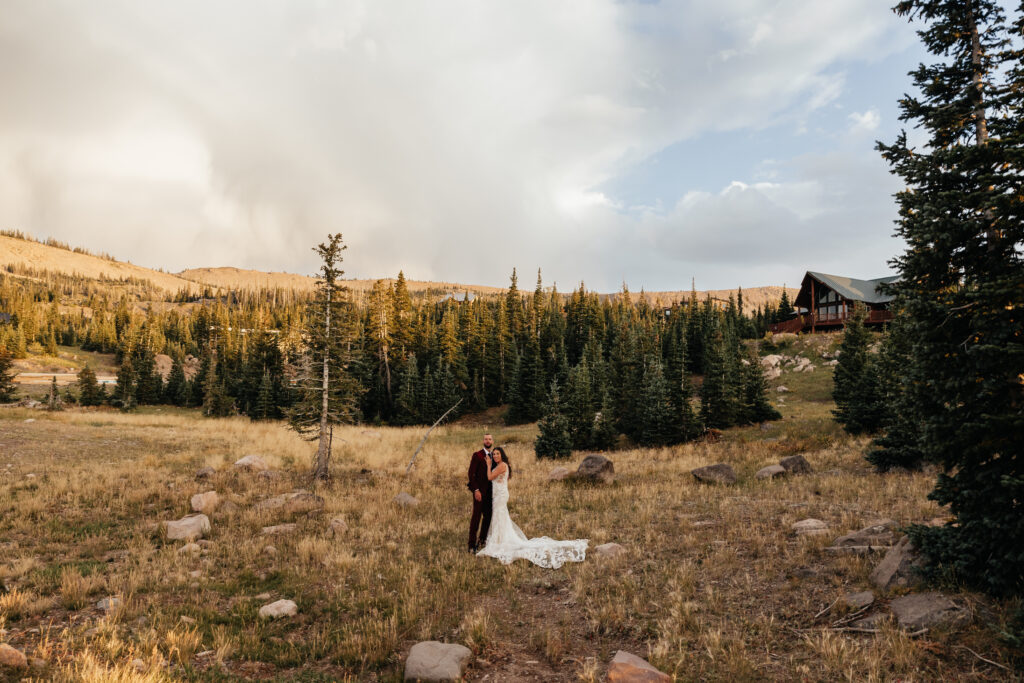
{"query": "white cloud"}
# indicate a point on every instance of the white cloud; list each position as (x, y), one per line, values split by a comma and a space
(865, 122)
(453, 139)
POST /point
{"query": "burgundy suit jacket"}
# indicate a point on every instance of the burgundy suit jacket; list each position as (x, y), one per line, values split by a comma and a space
(479, 466)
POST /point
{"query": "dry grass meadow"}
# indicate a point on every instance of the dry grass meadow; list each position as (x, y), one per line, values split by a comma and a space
(714, 586)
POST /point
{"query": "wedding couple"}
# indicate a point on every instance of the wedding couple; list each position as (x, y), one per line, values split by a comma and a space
(499, 537)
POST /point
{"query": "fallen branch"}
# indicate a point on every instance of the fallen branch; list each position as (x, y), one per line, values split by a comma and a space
(424, 439)
(987, 661)
(825, 611)
(851, 617)
(854, 629)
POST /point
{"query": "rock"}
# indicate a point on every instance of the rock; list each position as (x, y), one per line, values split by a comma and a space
(771, 361)
(773, 373)
(855, 601)
(796, 464)
(278, 529)
(876, 536)
(190, 549)
(595, 468)
(810, 527)
(831, 363)
(338, 527)
(771, 472)
(270, 551)
(263, 596)
(205, 503)
(189, 527)
(628, 668)
(139, 665)
(609, 550)
(30, 420)
(558, 474)
(268, 475)
(110, 603)
(924, 610)
(405, 500)
(279, 609)
(897, 568)
(186, 620)
(11, 658)
(252, 463)
(293, 503)
(227, 508)
(782, 389)
(434, 661)
(205, 473)
(715, 474)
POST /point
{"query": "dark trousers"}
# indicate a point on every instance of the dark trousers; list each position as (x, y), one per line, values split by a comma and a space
(481, 511)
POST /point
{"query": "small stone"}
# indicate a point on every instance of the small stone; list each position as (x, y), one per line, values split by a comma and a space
(139, 665)
(14, 659)
(294, 503)
(252, 463)
(30, 420)
(435, 662)
(278, 529)
(873, 536)
(796, 464)
(628, 668)
(595, 468)
(405, 500)
(109, 604)
(782, 389)
(186, 620)
(855, 601)
(924, 610)
(227, 508)
(263, 596)
(609, 550)
(205, 503)
(810, 527)
(338, 527)
(190, 549)
(270, 551)
(189, 527)
(898, 568)
(196, 574)
(205, 473)
(279, 609)
(715, 474)
(771, 472)
(559, 473)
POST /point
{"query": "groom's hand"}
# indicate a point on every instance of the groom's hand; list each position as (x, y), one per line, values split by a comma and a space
(477, 497)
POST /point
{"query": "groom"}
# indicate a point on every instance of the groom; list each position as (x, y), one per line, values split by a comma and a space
(480, 485)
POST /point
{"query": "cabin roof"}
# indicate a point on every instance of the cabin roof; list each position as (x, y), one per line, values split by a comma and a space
(849, 288)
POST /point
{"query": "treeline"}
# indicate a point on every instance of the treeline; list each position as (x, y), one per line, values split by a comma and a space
(413, 358)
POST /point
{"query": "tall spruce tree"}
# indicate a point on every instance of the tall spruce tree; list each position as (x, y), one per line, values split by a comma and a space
(856, 389)
(328, 391)
(123, 395)
(553, 441)
(658, 425)
(754, 405)
(962, 276)
(899, 446)
(90, 392)
(7, 389)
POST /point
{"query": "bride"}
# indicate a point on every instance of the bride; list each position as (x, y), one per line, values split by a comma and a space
(506, 541)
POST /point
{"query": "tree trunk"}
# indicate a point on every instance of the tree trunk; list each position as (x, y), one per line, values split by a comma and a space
(980, 122)
(323, 453)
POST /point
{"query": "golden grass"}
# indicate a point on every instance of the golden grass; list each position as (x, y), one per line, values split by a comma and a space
(713, 587)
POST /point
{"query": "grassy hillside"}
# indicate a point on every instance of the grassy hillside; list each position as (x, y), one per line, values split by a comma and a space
(713, 586)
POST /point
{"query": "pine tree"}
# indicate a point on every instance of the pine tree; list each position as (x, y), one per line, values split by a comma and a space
(553, 441)
(527, 403)
(580, 410)
(123, 395)
(718, 393)
(90, 393)
(900, 444)
(329, 391)
(407, 408)
(265, 407)
(7, 388)
(605, 435)
(657, 422)
(754, 403)
(785, 309)
(856, 392)
(53, 401)
(961, 279)
(175, 390)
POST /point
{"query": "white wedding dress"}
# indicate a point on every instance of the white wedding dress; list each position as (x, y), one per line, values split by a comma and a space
(507, 542)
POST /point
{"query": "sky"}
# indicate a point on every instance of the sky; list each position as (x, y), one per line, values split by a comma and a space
(648, 143)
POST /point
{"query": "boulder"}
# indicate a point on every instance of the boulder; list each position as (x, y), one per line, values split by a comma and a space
(771, 361)
(595, 468)
(252, 463)
(860, 600)
(338, 527)
(810, 527)
(205, 473)
(108, 604)
(715, 474)
(11, 658)
(771, 472)
(189, 527)
(205, 503)
(278, 529)
(876, 536)
(628, 668)
(227, 508)
(294, 503)
(559, 473)
(898, 568)
(782, 389)
(609, 550)
(924, 610)
(772, 373)
(279, 609)
(796, 464)
(405, 500)
(434, 661)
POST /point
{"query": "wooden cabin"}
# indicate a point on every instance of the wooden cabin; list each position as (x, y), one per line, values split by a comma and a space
(826, 301)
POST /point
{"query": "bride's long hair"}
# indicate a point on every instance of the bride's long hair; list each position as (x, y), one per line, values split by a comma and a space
(504, 456)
